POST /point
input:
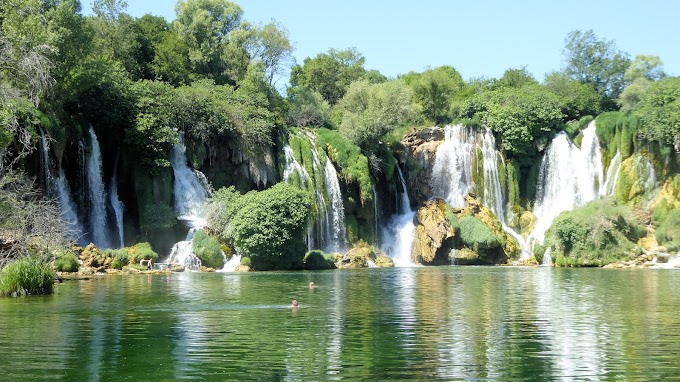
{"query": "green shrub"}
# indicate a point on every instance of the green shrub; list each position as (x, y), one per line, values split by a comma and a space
(246, 261)
(141, 251)
(66, 262)
(207, 249)
(119, 256)
(474, 233)
(27, 276)
(353, 164)
(318, 260)
(599, 232)
(669, 229)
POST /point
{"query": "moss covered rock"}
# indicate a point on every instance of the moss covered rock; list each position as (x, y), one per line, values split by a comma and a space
(360, 255)
(433, 234)
(92, 257)
(637, 179)
(527, 223)
(420, 147)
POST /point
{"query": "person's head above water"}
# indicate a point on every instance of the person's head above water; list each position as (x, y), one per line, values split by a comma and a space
(294, 304)
(311, 285)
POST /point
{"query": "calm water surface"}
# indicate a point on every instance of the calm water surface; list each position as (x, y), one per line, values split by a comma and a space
(449, 323)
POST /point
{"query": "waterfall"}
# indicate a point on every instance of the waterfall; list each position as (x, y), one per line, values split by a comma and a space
(182, 253)
(118, 206)
(453, 164)
(609, 185)
(399, 233)
(68, 208)
(189, 188)
(337, 232)
(190, 191)
(59, 189)
(569, 177)
(97, 195)
(547, 260)
(457, 159)
(230, 266)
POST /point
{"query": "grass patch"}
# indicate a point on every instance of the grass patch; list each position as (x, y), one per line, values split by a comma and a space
(27, 276)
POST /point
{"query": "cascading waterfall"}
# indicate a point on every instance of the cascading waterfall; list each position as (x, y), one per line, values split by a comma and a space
(376, 223)
(336, 211)
(453, 164)
(190, 193)
(97, 195)
(609, 185)
(569, 177)
(118, 206)
(60, 189)
(399, 233)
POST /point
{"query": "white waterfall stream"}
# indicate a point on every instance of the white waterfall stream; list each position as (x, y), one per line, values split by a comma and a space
(99, 232)
(569, 177)
(336, 211)
(399, 233)
(190, 193)
(118, 206)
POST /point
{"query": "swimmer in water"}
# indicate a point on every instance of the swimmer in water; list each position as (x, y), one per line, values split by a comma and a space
(294, 304)
(311, 285)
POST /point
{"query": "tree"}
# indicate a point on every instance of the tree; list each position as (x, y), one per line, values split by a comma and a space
(205, 25)
(515, 78)
(579, 99)
(369, 111)
(595, 62)
(271, 45)
(659, 112)
(115, 36)
(307, 107)
(640, 74)
(330, 73)
(150, 31)
(435, 89)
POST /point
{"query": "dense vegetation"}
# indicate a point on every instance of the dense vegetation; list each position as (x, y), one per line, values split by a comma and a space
(208, 77)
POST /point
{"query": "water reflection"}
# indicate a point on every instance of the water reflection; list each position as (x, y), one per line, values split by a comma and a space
(378, 324)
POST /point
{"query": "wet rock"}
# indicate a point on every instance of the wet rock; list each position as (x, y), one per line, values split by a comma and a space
(420, 147)
(434, 234)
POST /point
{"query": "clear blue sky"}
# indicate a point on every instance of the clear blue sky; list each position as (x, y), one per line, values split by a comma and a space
(478, 38)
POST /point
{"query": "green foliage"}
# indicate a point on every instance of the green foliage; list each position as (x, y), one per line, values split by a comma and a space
(659, 112)
(515, 78)
(617, 131)
(595, 234)
(435, 90)
(266, 226)
(647, 67)
(330, 73)
(307, 108)
(119, 257)
(579, 99)
(245, 261)
(595, 62)
(519, 116)
(353, 164)
(66, 262)
(668, 232)
(27, 276)
(473, 233)
(573, 128)
(318, 260)
(100, 91)
(141, 251)
(207, 249)
(513, 177)
(369, 111)
(204, 26)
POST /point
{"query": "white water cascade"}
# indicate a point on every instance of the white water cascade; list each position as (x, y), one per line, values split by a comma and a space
(569, 177)
(399, 233)
(612, 176)
(60, 189)
(336, 210)
(97, 195)
(190, 193)
(118, 206)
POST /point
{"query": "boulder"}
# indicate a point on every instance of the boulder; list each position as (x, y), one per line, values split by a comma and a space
(420, 147)
(434, 234)
(92, 257)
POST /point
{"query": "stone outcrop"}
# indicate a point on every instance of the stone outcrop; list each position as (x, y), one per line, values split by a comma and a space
(93, 258)
(433, 234)
(420, 147)
(360, 255)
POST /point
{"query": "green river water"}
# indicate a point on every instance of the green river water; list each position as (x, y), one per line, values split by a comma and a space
(445, 323)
